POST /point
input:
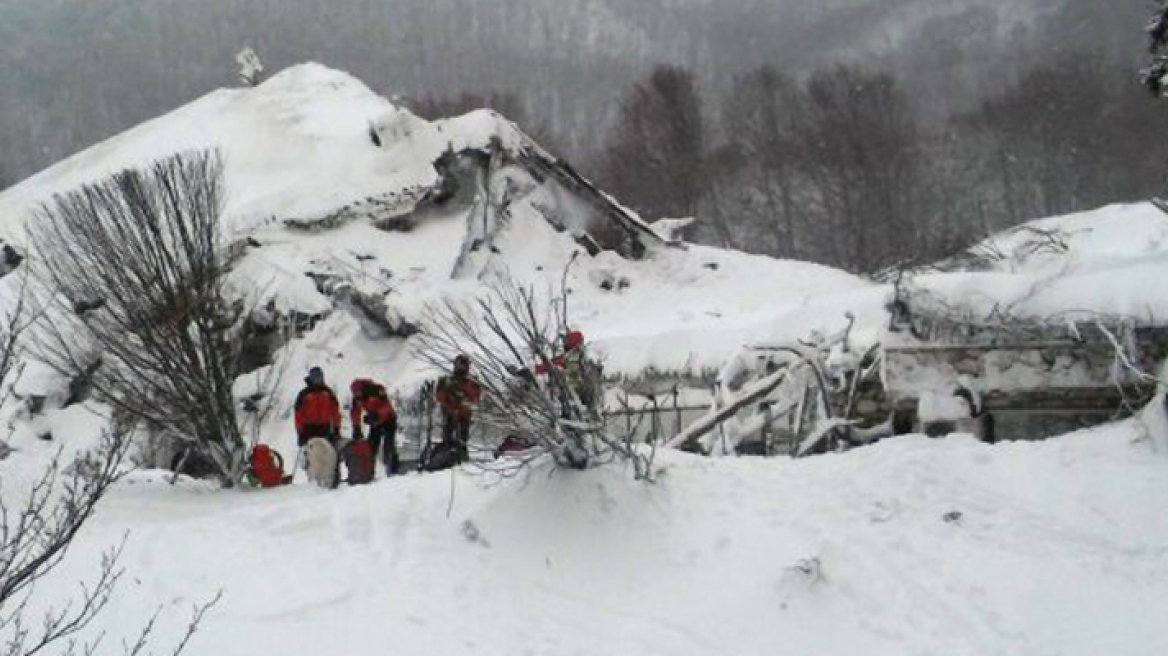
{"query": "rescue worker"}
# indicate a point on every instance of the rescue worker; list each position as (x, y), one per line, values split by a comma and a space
(318, 413)
(371, 405)
(576, 366)
(457, 394)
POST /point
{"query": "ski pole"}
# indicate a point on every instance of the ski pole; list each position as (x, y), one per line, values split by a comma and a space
(296, 465)
(429, 406)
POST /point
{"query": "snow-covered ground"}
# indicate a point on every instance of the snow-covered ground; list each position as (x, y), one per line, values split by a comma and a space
(912, 546)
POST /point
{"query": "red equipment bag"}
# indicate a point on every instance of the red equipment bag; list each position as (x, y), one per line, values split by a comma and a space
(360, 460)
(267, 466)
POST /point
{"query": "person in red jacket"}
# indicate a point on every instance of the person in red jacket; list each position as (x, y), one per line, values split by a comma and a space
(573, 341)
(580, 372)
(318, 413)
(457, 394)
(371, 405)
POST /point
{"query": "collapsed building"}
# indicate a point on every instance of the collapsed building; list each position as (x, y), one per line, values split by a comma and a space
(935, 370)
(1021, 378)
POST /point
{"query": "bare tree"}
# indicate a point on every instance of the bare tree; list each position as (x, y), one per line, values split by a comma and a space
(861, 142)
(510, 334)
(137, 300)
(761, 121)
(656, 155)
(36, 533)
(831, 170)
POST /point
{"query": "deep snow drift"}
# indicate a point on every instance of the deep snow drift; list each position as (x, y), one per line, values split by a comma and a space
(912, 546)
(1073, 267)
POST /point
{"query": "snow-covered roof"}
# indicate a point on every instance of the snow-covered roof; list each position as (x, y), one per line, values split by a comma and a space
(1080, 267)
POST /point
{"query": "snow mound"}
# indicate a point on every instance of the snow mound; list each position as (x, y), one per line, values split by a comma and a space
(1074, 267)
(297, 145)
(910, 546)
(1094, 240)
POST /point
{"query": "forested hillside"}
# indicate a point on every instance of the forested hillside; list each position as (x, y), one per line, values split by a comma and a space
(565, 60)
(989, 112)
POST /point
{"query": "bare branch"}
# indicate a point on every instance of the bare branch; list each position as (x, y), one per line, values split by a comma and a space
(134, 289)
(533, 390)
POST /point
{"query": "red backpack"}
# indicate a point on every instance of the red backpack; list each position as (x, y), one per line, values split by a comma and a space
(267, 466)
(361, 461)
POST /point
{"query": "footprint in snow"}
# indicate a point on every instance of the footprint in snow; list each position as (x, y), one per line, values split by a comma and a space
(473, 535)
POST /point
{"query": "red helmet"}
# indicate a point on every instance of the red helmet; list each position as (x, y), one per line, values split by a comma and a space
(574, 339)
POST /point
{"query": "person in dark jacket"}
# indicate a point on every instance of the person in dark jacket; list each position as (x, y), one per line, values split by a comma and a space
(371, 405)
(318, 413)
(457, 394)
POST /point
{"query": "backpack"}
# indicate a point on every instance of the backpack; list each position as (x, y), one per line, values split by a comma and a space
(511, 444)
(439, 456)
(360, 460)
(266, 466)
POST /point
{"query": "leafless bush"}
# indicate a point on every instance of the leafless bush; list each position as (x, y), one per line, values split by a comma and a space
(38, 524)
(510, 333)
(1042, 241)
(12, 326)
(134, 278)
(35, 535)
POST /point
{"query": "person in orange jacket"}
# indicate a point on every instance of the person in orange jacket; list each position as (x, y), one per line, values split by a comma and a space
(457, 394)
(318, 413)
(371, 405)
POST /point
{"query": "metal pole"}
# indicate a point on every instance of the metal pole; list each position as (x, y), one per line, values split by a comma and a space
(654, 425)
(766, 428)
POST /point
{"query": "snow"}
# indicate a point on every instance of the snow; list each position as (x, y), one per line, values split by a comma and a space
(1075, 267)
(686, 310)
(298, 147)
(944, 546)
(672, 229)
(938, 406)
(1049, 548)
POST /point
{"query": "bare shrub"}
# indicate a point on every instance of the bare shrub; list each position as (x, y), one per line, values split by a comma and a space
(510, 333)
(134, 281)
